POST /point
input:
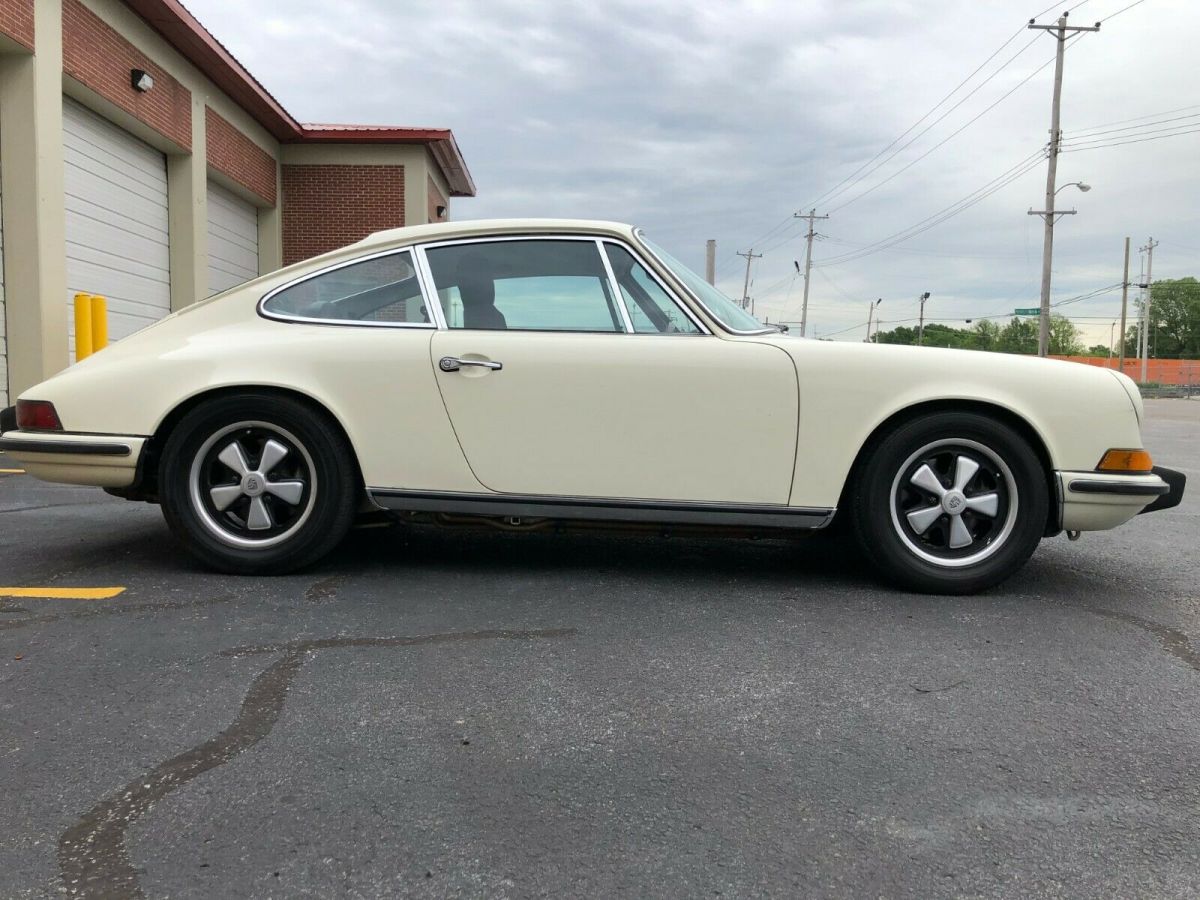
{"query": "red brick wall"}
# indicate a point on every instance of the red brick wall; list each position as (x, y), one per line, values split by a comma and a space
(326, 207)
(98, 57)
(16, 20)
(233, 153)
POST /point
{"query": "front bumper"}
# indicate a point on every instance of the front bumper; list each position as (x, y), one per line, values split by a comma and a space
(1095, 501)
(103, 460)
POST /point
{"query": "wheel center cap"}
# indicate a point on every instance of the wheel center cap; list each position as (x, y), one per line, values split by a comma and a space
(954, 502)
(252, 485)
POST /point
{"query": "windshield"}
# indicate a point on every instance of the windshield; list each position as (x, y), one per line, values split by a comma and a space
(724, 310)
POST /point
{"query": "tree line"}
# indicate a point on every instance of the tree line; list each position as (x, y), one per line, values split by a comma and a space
(1174, 329)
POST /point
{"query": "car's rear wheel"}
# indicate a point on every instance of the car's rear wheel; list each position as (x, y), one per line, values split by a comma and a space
(950, 503)
(258, 484)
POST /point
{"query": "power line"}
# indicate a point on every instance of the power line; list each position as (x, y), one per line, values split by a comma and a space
(1076, 149)
(955, 133)
(1100, 129)
(1026, 165)
(1126, 9)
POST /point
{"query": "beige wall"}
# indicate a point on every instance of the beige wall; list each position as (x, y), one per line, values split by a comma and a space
(31, 150)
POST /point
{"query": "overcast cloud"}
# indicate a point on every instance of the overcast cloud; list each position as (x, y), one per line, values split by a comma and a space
(719, 120)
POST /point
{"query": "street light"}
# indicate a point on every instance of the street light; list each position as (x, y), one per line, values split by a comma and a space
(1050, 216)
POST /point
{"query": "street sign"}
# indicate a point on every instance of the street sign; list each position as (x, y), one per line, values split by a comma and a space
(1027, 312)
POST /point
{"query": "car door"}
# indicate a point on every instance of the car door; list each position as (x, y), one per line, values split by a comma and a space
(559, 381)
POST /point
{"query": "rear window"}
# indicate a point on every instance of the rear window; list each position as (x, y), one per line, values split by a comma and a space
(384, 289)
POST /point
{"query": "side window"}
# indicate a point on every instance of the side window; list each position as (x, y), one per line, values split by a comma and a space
(383, 289)
(535, 285)
(651, 309)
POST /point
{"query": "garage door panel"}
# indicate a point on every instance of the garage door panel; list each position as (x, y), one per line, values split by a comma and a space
(116, 221)
(135, 213)
(232, 239)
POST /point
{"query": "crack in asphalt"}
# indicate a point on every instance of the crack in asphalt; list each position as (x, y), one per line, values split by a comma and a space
(1173, 641)
(93, 859)
(93, 612)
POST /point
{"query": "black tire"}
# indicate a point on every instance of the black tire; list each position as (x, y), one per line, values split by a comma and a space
(906, 524)
(288, 498)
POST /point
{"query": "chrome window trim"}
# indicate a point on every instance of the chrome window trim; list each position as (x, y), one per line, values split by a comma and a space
(429, 289)
(353, 323)
(681, 306)
(639, 235)
(614, 288)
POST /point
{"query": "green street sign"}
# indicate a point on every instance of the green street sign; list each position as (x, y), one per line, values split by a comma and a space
(1027, 312)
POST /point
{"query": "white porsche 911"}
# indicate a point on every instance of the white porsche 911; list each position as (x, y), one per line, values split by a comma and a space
(542, 371)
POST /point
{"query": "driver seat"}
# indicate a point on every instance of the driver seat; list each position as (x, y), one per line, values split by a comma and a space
(478, 293)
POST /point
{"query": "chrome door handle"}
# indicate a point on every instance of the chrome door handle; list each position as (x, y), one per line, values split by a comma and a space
(453, 364)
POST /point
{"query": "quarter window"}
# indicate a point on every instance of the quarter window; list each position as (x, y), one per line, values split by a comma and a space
(382, 289)
(524, 285)
(651, 309)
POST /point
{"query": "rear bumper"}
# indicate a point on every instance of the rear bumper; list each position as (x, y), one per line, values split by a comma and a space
(1095, 501)
(104, 460)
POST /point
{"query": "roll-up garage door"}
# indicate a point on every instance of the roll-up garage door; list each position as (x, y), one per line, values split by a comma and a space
(116, 203)
(232, 239)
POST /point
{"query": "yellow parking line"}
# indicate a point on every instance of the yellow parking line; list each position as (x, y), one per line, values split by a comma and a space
(12, 471)
(49, 593)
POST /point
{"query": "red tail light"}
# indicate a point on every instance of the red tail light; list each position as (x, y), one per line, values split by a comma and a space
(37, 415)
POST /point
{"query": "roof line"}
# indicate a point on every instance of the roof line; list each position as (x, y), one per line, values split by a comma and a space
(184, 32)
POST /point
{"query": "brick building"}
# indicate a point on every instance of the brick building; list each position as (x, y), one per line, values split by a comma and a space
(139, 160)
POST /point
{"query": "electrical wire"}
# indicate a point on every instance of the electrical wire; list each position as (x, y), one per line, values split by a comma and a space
(1126, 9)
(959, 130)
(1098, 129)
(1014, 173)
(1076, 149)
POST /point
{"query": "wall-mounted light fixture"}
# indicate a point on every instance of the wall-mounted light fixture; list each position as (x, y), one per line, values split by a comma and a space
(140, 80)
(441, 212)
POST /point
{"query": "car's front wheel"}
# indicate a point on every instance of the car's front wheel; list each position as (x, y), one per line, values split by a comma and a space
(950, 503)
(257, 484)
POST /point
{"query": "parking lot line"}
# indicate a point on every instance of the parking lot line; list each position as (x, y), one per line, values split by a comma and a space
(12, 471)
(49, 593)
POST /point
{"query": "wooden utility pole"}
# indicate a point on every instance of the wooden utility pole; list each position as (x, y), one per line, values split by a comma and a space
(812, 217)
(710, 262)
(1124, 302)
(1060, 30)
(921, 326)
(750, 257)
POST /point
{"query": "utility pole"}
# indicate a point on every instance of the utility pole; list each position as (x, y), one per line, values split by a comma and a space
(750, 257)
(870, 316)
(921, 327)
(1060, 31)
(1124, 302)
(812, 217)
(710, 262)
(1149, 248)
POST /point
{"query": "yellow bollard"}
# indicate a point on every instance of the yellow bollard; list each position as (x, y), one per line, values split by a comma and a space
(83, 326)
(99, 323)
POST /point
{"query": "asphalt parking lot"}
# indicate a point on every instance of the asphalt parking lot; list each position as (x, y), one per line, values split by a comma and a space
(491, 715)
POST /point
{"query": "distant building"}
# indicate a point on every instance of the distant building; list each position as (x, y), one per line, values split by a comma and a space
(139, 160)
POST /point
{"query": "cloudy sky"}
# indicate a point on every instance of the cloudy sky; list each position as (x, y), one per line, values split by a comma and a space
(721, 119)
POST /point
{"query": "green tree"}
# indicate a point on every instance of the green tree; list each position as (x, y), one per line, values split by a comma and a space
(1018, 336)
(1175, 325)
(1064, 337)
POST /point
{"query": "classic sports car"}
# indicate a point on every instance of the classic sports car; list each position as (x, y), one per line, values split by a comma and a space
(534, 372)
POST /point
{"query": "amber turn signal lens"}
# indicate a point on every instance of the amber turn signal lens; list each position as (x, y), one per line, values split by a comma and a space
(1125, 461)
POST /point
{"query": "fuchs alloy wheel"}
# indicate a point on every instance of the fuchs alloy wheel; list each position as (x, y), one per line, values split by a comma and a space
(258, 483)
(950, 503)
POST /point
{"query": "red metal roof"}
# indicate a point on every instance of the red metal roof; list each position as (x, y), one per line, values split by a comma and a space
(184, 32)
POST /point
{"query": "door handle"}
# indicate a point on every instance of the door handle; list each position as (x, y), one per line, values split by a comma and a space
(453, 364)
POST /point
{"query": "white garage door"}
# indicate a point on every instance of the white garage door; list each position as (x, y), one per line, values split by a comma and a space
(232, 239)
(116, 199)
